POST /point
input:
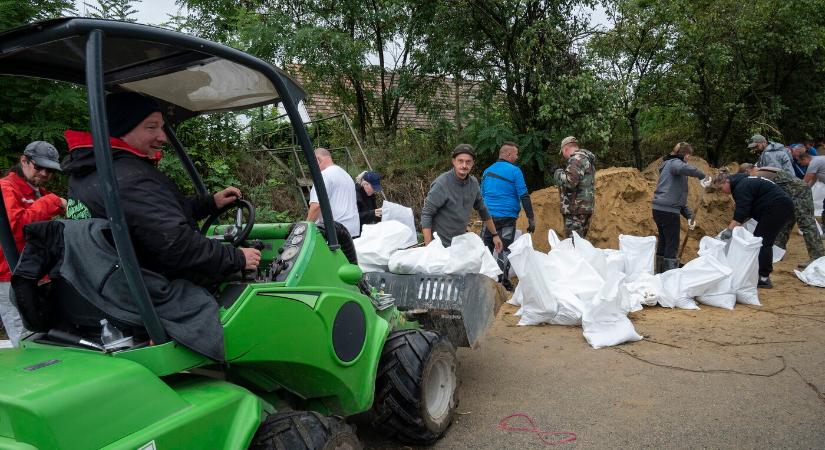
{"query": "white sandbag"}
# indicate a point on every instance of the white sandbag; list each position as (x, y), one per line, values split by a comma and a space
(614, 260)
(466, 252)
(778, 252)
(469, 255)
(605, 322)
(693, 279)
(743, 259)
(535, 294)
(645, 289)
(720, 294)
(639, 254)
(553, 284)
(431, 259)
(379, 241)
(593, 256)
(394, 211)
(518, 294)
(814, 274)
(818, 191)
(558, 244)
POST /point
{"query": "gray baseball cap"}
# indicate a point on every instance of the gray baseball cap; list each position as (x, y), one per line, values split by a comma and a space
(756, 139)
(43, 154)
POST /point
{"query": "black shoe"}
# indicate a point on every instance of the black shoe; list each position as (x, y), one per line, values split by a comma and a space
(764, 283)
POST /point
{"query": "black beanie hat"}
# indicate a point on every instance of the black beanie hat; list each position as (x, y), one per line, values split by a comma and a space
(125, 110)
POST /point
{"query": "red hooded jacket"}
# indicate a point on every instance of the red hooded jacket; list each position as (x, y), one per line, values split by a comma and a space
(23, 207)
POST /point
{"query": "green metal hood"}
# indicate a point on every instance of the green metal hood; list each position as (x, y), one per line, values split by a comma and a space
(66, 398)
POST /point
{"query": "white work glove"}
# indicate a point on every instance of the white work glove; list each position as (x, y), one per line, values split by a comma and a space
(705, 183)
(691, 224)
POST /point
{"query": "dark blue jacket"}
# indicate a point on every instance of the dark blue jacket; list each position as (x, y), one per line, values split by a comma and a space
(755, 196)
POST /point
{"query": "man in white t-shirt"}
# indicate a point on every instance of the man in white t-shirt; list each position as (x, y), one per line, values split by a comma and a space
(341, 191)
(815, 172)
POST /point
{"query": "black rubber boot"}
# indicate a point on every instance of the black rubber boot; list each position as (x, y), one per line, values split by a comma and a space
(657, 266)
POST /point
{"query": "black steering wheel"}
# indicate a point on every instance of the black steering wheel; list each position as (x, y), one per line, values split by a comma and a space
(238, 232)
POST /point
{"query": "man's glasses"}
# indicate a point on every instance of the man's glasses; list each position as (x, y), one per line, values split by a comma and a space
(40, 168)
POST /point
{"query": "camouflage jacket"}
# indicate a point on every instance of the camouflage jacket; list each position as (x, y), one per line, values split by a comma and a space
(795, 187)
(577, 183)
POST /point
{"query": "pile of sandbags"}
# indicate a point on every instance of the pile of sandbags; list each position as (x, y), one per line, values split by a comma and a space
(578, 284)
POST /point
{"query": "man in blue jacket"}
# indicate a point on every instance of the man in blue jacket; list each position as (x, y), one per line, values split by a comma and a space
(505, 193)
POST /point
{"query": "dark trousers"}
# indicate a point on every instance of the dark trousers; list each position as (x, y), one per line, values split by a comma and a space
(668, 225)
(771, 222)
(506, 229)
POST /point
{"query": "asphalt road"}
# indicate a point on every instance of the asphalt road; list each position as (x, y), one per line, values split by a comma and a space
(748, 378)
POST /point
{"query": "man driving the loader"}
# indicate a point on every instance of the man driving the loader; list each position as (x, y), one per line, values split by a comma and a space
(161, 220)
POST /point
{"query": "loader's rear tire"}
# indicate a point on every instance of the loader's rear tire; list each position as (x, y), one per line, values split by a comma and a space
(416, 392)
(304, 430)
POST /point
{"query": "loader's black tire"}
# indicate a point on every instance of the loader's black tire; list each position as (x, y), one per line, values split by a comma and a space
(416, 391)
(304, 430)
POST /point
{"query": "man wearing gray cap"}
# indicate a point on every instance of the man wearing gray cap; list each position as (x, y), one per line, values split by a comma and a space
(452, 195)
(26, 202)
(577, 186)
(771, 154)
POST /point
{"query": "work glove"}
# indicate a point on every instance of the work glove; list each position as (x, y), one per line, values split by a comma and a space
(706, 182)
(691, 224)
(531, 224)
(726, 234)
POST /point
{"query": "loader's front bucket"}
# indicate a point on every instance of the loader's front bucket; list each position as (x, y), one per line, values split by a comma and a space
(461, 307)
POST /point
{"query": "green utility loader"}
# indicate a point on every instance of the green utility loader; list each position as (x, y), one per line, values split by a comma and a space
(309, 340)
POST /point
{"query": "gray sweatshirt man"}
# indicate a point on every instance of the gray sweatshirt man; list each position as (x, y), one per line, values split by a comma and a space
(773, 154)
(451, 198)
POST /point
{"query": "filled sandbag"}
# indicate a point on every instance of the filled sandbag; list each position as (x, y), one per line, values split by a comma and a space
(400, 213)
(639, 252)
(379, 241)
(431, 259)
(743, 259)
(693, 279)
(605, 322)
(720, 294)
(814, 274)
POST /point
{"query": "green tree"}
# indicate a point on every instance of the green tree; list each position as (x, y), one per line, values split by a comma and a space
(636, 57)
(113, 9)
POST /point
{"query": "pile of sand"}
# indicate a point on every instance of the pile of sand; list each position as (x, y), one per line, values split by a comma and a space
(623, 206)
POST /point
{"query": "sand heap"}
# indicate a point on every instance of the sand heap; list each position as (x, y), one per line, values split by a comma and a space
(623, 206)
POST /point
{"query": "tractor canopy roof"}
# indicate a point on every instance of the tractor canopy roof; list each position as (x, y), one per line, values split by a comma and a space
(186, 74)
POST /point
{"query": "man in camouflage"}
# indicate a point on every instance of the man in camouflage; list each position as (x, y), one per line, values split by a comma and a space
(803, 206)
(577, 186)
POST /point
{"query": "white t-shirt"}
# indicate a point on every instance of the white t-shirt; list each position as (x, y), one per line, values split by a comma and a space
(341, 191)
(817, 167)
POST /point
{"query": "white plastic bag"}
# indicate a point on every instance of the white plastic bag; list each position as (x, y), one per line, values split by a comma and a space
(743, 259)
(639, 253)
(814, 274)
(720, 294)
(818, 191)
(778, 252)
(394, 211)
(605, 322)
(646, 289)
(379, 241)
(469, 255)
(535, 294)
(593, 256)
(693, 279)
(431, 259)
(614, 259)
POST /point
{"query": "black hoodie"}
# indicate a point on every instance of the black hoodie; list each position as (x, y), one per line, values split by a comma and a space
(755, 196)
(161, 220)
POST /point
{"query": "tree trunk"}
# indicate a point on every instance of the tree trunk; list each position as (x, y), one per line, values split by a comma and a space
(636, 149)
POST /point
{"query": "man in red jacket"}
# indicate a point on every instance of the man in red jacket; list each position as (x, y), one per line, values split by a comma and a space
(26, 202)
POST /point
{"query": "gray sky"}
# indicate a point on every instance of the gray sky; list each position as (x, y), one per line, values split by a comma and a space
(151, 12)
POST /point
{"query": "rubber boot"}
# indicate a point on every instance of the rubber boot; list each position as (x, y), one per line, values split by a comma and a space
(669, 264)
(657, 266)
